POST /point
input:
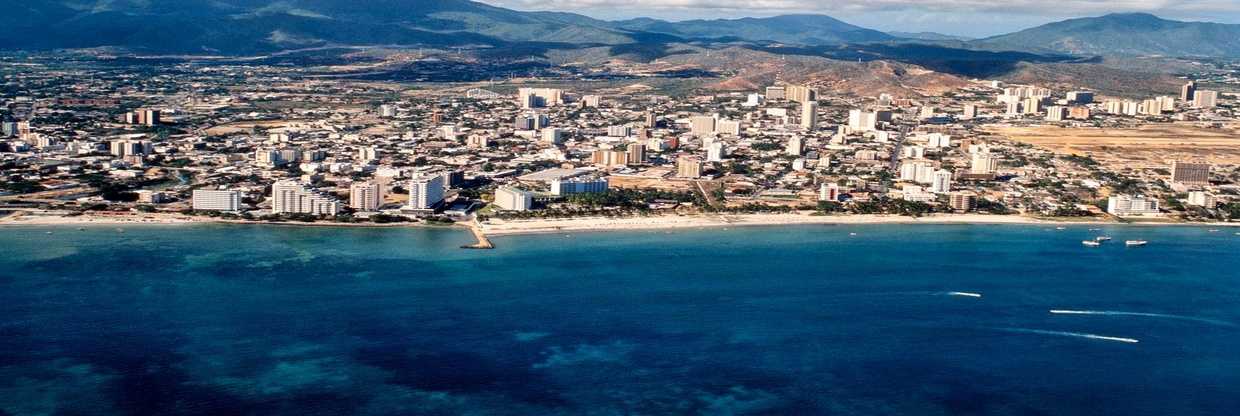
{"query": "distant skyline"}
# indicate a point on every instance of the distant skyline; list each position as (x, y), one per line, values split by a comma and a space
(974, 18)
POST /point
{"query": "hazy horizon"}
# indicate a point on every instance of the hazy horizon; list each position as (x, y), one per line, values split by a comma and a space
(972, 18)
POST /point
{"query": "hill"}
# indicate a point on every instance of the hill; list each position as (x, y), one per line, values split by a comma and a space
(1127, 34)
(808, 29)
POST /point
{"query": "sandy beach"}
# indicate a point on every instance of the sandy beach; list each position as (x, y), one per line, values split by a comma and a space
(513, 227)
(497, 227)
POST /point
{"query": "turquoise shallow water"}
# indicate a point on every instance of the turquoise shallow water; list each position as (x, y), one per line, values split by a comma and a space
(258, 320)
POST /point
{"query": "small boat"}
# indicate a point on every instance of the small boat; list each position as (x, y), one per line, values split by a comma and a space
(1061, 228)
(49, 232)
(1102, 238)
(1213, 231)
(852, 234)
(1095, 229)
(81, 228)
(1091, 243)
(1135, 243)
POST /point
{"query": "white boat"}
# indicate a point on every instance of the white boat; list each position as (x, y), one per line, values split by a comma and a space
(1135, 243)
(1061, 228)
(1102, 238)
(1091, 243)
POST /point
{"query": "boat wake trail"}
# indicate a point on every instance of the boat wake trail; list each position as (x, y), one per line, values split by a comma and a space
(1071, 334)
(964, 294)
(1143, 314)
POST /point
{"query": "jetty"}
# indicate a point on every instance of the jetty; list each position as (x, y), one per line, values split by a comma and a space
(483, 243)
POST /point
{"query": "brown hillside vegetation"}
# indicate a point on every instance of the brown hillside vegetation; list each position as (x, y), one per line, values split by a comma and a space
(748, 70)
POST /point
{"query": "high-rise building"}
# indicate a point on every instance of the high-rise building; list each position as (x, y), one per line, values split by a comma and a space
(702, 125)
(920, 171)
(861, 121)
(609, 158)
(365, 196)
(122, 148)
(539, 97)
(962, 201)
(652, 120)
(1124, 205)
(292, 197)
(1056, 113)
(776, 93)
(212, 200)
(983, 163)
(1079, 113)
(728, 127)
(1188, 92)
(513, 199)
(553, 136)
(941, 182)
(1202, 199)
(561, 187)
(1205, 99)
(809, 115)
(1190, 173)
(970, 111)
(829, 191)
(426, 191)
(636, 153)
(367, 154)
(795, 146)
(688, 167)
(801, 93)
(1032, 105)
(1080, 97)
(715, 152)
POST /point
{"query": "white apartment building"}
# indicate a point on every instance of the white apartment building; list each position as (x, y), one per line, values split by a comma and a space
(425, 191)
(211, 200)
(513, 199)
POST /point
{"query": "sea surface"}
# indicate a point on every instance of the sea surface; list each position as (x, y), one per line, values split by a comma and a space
(895, 320)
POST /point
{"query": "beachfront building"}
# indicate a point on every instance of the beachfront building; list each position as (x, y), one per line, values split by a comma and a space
(513, 199)
(426, 191)
(561, 187)
(365, 196)
(211, 200)
(1127, 205)
(292, 197)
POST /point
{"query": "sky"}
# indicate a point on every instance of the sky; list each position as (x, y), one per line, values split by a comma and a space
(974, 18)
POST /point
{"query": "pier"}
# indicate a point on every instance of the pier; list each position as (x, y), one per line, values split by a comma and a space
(483, 243)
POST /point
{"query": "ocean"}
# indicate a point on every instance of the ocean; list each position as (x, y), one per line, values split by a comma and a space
(897, 319)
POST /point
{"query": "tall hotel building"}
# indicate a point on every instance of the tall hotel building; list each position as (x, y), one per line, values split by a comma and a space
(365, 196)
(1190, 173)
(292, 197)
(801, 94)
(426, 191)
(211, 200)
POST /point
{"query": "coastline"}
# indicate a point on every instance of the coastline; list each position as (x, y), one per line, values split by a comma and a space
(501, 228)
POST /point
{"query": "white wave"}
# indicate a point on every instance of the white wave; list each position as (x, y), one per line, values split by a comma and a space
(1072, 334)
(965, 294)
(1142, 314)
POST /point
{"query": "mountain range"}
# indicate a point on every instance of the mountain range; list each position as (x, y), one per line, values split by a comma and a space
(238, 27)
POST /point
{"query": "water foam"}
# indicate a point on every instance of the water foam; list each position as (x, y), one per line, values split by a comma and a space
(1141, 314)
(1072, 334)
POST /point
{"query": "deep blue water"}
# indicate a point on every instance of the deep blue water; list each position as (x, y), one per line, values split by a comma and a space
(220, 320)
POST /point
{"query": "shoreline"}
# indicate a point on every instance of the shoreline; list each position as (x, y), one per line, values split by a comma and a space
(503, 228)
